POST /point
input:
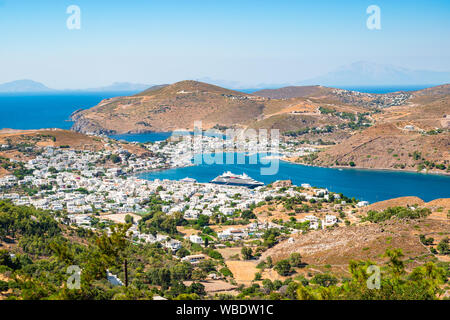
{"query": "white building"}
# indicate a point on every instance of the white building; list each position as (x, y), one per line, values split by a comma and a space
(362, 204)
(196, 239)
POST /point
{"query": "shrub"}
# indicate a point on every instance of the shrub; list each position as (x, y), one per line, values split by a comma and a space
(226, 272)
(295, 259)
(426, 241)
(324, 280)
(3, 286)
(443, 247)
(396, 212)
(283, 267)
(247, 253)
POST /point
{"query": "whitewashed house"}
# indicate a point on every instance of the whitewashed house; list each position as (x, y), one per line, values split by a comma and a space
(196, 239)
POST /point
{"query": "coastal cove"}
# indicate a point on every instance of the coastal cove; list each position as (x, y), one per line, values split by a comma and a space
(35, 111)
(368, 185)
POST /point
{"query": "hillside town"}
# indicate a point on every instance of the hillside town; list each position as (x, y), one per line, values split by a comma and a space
(373, 100)
(89, 190)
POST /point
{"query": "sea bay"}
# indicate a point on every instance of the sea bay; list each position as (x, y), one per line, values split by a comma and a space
(369, 185)
(20, 111)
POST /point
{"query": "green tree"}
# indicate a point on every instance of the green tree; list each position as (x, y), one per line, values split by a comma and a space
(247, 253)
(269, 262)
(129, 219)
(324, 279)
(443, 246)
(202, 220)
(111, 250)
(197, 288)
(226, 272)
(183, 252)
(295, 259)
(395, 264)
(426, 241)
(248, 214)
(199, 274)
(5, 259)
(115, 158)
(283, 267)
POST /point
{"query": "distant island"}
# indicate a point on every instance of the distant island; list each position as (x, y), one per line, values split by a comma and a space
(365, 73)
(24, 86)
(30, 86)
(357, 74)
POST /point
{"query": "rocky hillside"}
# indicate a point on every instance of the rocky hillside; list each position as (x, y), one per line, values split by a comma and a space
(337, 96)
(386, 146)
(169, 108)
(337, 246)
(177, 106)
(401, 130)
(414, 136)
(292, 92)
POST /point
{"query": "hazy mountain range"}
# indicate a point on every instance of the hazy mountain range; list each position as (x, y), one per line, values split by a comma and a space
(30, 86)
(373, 74)
(356, 74)
(24, 86)
(121, 86)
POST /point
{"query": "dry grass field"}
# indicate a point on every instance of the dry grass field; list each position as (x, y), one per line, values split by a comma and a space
(243, 271)
(216, 287)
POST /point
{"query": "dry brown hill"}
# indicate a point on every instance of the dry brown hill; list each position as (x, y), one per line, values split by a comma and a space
(362, 241)
(436, 91)
(386, 146)
(177, 106)
(436, 206)
(291, 92)
(397, 202)
(412, 136)
(337, 96)
(172, 107)
(426, 115)
(409, 128)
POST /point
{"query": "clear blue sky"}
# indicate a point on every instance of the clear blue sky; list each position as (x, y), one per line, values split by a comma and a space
(156, 41)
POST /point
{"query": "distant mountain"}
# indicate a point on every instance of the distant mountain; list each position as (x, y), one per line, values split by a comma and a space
(121, 86)
(372, 74)
(23, 86)
(30, 86)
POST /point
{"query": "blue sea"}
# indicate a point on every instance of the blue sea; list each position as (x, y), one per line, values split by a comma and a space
(142, 137)
(36, 111)
(158, 136)
(365, 89)
(53, 111)
(369, 185)
(386, 89)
